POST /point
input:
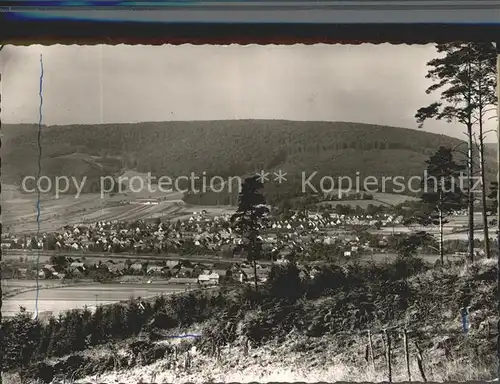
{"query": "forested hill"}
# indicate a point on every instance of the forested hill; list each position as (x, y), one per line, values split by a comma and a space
(225, 148)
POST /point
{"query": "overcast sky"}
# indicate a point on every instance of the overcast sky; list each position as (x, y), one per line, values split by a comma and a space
(379, 84)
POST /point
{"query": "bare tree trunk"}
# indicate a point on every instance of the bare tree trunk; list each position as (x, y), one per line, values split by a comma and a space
(482, 164)
(483, 192)
(470, 173)
(370, 350)
(498, 195)
(470, 195)
(389, 355)
(420, 362)
(407, 354)
(441, 241)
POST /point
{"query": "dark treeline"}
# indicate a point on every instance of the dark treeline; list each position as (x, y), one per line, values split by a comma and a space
(223, 148)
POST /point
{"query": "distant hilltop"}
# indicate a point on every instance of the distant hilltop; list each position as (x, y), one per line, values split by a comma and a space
(224, 148)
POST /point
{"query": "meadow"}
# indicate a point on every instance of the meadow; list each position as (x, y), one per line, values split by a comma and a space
(19, 210)
(63, 298)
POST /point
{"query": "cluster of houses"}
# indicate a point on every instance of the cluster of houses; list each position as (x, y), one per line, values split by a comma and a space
(316, 222)
(172, 271)
(300, 235)
(137, 237)
(198, 234)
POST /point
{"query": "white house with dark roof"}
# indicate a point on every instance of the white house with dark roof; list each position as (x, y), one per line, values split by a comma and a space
(212, 278)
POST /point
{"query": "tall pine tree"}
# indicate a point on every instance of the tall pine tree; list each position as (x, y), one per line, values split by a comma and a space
(442, 193)
(464, 75)
(484, 97)
(250, 218)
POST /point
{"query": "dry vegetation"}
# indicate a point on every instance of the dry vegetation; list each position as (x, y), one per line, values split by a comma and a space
(310, 331)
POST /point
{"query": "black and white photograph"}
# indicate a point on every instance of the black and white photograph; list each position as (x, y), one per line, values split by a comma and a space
(249, 213)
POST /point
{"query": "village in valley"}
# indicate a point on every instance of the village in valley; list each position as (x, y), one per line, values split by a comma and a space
(299, 228)
(204, 250)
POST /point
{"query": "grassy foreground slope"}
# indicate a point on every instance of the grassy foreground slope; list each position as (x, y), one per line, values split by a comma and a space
(308, 330)
(225, 148)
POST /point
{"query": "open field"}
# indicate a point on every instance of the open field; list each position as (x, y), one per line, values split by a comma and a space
(60, 299)
(391, 198)
(478, 235)
(455, 229)
(380, 258)
(379, 199)
(19, 209)
(10, 286)
(447, 235)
